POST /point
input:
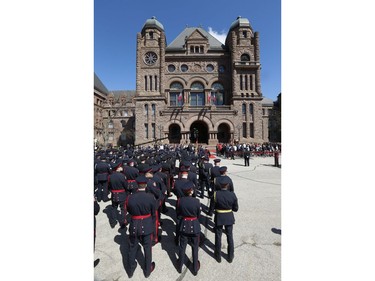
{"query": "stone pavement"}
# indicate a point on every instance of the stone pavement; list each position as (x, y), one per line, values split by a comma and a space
(257, 234)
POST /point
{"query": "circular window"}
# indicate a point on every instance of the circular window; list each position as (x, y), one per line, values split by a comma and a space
(184, 68)
(150, 58)
(171, 68)
(221, 68)
(210, 68)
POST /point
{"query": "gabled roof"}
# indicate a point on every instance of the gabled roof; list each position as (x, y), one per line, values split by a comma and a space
(179, 41)
(129, 94)
(98, 85)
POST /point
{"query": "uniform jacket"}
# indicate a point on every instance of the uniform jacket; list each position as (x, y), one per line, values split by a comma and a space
(117, 181)
(178, 184)
(141, 203)
(102, 170)
(224, 200)
(188, 212)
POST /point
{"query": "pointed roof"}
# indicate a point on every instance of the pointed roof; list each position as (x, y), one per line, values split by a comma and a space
(98, 85)
(179, 41)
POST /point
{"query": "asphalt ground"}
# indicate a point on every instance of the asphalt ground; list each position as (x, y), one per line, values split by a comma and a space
(257, 234)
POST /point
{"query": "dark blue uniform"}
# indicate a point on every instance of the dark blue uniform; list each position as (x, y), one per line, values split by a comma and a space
(224, 203)
(188, 212)
(141, 206)
(118, 186)
(131, 174)
(204, 176)
(102, 171)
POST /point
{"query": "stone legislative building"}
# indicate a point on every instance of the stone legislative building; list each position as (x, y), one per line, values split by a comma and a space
(194, 89)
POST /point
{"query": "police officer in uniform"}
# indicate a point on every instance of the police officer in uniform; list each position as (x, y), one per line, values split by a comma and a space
(102, 171)
(131, 174)
(214, 174)
(204, 175)
(223, 177)
(224, 203)
(188, 211)
(141, 207)
(118, 186)
(154, 188)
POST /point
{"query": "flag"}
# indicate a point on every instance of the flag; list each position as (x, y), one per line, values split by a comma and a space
(179, 97)
(214, 98)
(209, 98)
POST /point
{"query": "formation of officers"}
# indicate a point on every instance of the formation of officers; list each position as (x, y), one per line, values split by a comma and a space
(138, 182)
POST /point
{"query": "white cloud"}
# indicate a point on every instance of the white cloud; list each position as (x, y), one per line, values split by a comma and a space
(218, 35)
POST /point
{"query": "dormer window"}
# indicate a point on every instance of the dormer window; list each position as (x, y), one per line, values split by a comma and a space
(196, 49)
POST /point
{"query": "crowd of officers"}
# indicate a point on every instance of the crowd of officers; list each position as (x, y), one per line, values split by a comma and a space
(138, 182)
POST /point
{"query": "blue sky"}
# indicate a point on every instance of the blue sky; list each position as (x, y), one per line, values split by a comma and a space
(117, 22)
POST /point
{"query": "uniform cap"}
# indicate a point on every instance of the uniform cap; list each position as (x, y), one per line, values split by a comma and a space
(217, 160)
(156, 168)
(223, 181)
(223, 169)
(186, 164)
(187, 187)
(184, 169)
(145, 169)
(141, 180)
(116, 165)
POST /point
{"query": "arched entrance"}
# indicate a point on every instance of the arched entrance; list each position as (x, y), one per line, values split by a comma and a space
(223, 133)
(174, 135)
(199, 131)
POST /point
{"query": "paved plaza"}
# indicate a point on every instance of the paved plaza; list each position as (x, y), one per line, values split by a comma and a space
(257, 234)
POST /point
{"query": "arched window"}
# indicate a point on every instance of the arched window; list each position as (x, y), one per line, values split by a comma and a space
(153, 109)
(244, 108)
(245, 57)
(197, 97)
(251, 109)
(176, 94)
(217, 94)
(197, 86)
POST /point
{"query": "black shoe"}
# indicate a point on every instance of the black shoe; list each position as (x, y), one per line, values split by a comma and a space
(218, 258)
(152, 269)
(113, 225)
(230, 260)
(132, 270)
(179, 266)
(96, 262)
(199, 266)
